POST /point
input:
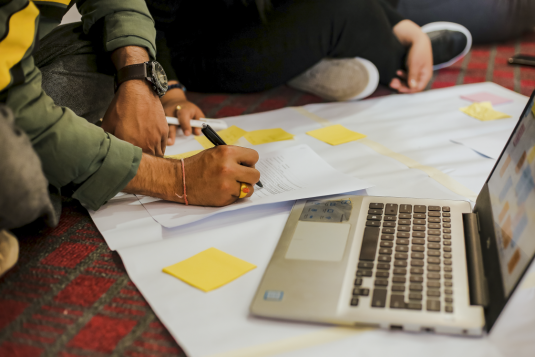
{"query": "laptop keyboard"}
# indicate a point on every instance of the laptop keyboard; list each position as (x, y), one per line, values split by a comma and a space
(410, 249)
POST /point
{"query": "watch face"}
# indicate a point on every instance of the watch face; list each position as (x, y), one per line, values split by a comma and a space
(159, 75)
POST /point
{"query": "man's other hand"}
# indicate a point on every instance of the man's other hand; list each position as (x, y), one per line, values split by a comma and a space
(135, 113)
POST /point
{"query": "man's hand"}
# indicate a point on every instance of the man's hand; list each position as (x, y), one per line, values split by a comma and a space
(135, 113)
(187, 112)
(213, 176)
(419, 58)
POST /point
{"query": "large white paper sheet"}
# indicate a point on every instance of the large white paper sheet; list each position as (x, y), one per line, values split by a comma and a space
(418, 126)
(288, 174)
(490, 145)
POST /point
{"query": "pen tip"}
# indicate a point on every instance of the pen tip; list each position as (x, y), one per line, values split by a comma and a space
(259, 184)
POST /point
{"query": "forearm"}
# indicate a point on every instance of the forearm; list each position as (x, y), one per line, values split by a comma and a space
(408, 32)
(157, 177)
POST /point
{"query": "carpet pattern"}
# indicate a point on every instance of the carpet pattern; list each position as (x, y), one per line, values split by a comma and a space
(69, 295)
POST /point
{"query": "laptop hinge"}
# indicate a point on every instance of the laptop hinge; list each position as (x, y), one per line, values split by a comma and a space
(479, 294)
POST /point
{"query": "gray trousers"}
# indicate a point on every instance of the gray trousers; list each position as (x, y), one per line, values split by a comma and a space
(77, 74)
(24, 194)
(487, 20)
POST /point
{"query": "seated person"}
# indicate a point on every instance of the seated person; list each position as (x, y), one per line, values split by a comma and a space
(47, 147)
(338, 50)
(487, 20)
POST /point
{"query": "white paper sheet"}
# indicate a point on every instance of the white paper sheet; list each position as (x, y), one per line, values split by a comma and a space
(490, 145)
(418, 126)
(288, 174)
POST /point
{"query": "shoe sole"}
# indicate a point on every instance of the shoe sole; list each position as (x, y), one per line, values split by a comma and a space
(373, 80)
(443, 25)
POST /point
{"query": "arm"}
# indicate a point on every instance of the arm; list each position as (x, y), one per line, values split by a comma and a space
(135, 114)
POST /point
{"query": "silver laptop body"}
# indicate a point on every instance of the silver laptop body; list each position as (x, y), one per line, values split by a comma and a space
(409, 264)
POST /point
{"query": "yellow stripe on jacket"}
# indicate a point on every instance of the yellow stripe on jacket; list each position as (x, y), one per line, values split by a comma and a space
(19, 39)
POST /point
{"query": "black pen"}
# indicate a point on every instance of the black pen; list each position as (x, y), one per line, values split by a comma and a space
(216, 140)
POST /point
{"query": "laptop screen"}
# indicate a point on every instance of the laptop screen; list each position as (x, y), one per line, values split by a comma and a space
(512, 197)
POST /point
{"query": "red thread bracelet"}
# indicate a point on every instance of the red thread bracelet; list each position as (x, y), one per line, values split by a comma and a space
(183, 184)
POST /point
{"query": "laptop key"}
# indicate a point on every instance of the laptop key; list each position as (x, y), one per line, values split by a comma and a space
(446, 230)
(416, 255)
(420, 209)
(358, 281)
(448, 255)
(399, 279)
(419, 222)
(361, 291)
(448, 283)
(365, 265)
(418, 271)
(400, 263)
(433, 305)
(433, 276)
(433, 220)
(433, 239)
(447, 242)
(402, 241)
(419, 215)
(369, 243)
(446, 214)
(405, 216)
(433, 208)
(449, 308)
(404, 228)
(388, 230)
(433, 226)
(433, 267)
(433, 284)
(448, 291)
(404, 256)
(404, 222)
(418, 248)
(448, 276)
(391, 209)
(434, 214)
(418, 234)
(433, 253)
(355, 301)
(373, 224)
(447, 225)
(384, 266)
(385, 258)
(387, 237)
(448, 299)
(418, 228)
(447, 249)
(446, 220)
(432, 246)
(416, 279)
(390, 218)
(445, 209)
(417, 263)
(415, 296)
(375, 211)
(377, 205)
(447, 236)
(379, 298)
(389, 224)
(367, 273)
(399, 288)
(373, 217)
(386, 244)
(414, 306)
(403, 234)
(433, 260)
(402, 248)
(400, 271)
(382, 274)
(381, 282)
(419, 241)
(405, 208)
(397, 301)
(387, 251)
(416, 287)
(433, 232)
(433, 293)
(447, 261)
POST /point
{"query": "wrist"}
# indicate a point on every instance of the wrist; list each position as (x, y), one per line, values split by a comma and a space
(128, 55)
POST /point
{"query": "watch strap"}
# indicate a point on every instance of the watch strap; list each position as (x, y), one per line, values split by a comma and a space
(134, 71)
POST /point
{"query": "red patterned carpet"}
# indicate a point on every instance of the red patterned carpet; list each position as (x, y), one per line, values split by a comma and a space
(69, 295)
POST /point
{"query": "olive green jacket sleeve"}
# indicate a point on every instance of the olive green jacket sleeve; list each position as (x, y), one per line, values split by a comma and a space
(125, 23)
(71, 149)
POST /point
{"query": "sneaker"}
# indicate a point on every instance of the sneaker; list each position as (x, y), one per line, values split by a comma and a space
(450, 42)
(339, 79)
(9, 251)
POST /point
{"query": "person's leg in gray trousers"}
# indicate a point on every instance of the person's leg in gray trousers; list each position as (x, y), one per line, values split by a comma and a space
(24, 195)
(487, 20)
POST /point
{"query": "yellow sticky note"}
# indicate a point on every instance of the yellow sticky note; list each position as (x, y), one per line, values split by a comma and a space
(483, 111)
(209, 270)
(265, 136)
(183, 155)
(336, 134)
(229, 135)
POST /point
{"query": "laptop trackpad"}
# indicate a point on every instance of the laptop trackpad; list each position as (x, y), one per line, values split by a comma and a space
(318, 241)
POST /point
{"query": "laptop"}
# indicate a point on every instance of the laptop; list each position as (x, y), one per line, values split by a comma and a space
(409, 264)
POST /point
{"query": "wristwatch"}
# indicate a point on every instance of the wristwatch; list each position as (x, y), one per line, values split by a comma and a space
(152, 71)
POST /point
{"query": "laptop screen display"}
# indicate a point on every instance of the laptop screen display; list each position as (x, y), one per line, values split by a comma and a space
(512, 196)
